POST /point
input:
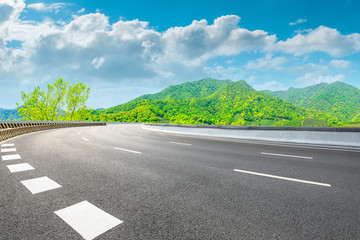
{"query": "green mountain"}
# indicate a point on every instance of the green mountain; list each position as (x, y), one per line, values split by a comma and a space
(9, 114)
(338, 99)
(197, 89)
(211, 101)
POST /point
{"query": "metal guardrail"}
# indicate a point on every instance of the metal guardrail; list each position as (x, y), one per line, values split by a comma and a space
(10, 129)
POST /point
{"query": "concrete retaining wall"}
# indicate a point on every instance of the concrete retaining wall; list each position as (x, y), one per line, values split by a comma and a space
(349, 137)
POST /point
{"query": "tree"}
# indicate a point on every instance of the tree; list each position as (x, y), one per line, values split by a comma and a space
(31, 109)
(49, 106)
(76, 97)
(54, 99)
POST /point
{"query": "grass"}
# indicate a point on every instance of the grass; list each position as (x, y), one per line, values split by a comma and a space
(313, 122)
(349, 124)
(164, 121)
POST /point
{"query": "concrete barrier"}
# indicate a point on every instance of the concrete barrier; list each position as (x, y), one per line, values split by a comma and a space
(349, 137)
(14, 128)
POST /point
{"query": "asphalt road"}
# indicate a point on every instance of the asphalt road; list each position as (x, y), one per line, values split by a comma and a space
(168, 186)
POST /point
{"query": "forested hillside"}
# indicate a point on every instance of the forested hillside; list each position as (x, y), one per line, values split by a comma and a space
(185, 91)
(9, 114)
(197, 89)
(338, 99)
(210, 101)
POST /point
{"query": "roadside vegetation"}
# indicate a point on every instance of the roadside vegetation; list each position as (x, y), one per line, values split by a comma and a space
(60, 102)
(207, 101)
(214, 102)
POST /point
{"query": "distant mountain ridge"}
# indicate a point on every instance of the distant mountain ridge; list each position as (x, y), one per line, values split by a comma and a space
(211, 101)
(338, 99)
(9, 114)
(185, 91)
(197, 89)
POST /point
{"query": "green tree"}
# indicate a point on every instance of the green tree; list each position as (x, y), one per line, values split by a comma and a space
(49, 105)
(32, 106)
(76, 98)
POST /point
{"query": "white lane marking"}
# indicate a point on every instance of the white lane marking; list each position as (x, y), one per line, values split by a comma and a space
(283, 178)
(20, 167)
(3, 150)
(10, 157)
(78, 133)
(8, 145)
(127, 150)
(284, 155)
(137, 137)
(41, 184)
(85, 139)
(186, 144)
(88, 220)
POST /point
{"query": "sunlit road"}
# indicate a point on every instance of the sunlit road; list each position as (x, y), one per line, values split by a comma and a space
(123, 182)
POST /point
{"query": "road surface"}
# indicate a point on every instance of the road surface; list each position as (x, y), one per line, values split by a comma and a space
(123, 182)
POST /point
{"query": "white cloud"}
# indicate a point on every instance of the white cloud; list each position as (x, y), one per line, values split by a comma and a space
(80, 11)
(271, 85)
(314, 78)
(98, 62)
(199, 41)
(322, 39)
(309, 68)
(342, 64)
(47, 7)
(300, 20)
(221, 72)
(130, 53)
(5, 12)
(10, 10)
(267, 62)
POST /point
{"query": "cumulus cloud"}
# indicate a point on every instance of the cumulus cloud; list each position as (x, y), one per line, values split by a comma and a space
(309, 68)
(342, 64)
(5, 12)
(271, 85)
(300, 20)
(199, 41)
(46, 7)
(322, 39)
(130, 49)
(80, 11)
(98, 62)
(89, 47)
(227, 72)
(267, 62)
(10, 9)
(315, 78)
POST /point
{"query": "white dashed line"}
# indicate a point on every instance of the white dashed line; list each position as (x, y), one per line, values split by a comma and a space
(88, 220)
(283, 178)
(186, 144)
(127, 150)
(3, 150)
(8, 145)
(85, 139)
(137, 137)
(20, 167)
(41, 184)
(10, 157)
(284, 155)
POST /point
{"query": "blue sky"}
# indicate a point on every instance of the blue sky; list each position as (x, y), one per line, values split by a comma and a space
(123, 49)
